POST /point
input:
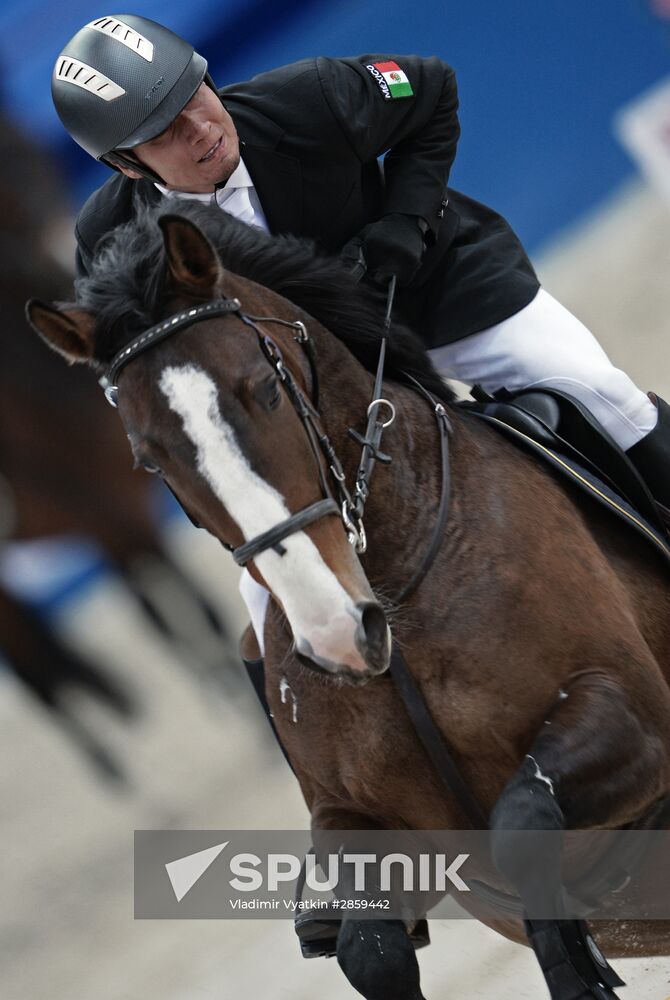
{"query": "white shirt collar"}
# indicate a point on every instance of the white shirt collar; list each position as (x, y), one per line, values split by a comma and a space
(239, 178)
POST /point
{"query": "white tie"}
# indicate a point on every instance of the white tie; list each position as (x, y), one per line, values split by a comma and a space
(237, 202)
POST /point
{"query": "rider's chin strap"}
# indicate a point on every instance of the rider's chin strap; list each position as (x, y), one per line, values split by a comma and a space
(116, 159)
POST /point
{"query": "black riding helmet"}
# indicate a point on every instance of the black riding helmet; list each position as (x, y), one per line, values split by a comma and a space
(121, 81)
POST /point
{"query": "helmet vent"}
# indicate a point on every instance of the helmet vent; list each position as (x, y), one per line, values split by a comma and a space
(125, 34)
(73, 71)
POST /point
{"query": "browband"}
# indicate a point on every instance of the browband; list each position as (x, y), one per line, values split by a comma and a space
(218, 307)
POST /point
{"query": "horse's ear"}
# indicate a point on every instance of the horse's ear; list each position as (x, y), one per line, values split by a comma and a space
(66, 329)
(193, 261)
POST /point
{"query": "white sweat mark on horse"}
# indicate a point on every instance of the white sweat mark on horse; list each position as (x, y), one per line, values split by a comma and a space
(284, 686)
(541, 777)
(323, 617)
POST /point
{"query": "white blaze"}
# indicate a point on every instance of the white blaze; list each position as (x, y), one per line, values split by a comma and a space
(318, 608)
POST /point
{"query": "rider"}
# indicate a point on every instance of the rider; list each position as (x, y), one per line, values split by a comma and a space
(296, 150)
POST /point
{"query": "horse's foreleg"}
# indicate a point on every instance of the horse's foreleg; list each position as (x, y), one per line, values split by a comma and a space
(378, 959)
(593, 764)
(376, 956)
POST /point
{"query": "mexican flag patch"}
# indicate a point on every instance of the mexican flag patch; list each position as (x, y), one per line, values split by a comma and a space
(392, 80)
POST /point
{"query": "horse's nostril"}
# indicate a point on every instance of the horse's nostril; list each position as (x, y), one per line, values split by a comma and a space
(374, 627)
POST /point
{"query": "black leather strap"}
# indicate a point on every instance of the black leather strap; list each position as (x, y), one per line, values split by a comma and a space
(217, 307)
(433, 741)
(444, 427)
(256, 674)
(272, 538)
(424, 725)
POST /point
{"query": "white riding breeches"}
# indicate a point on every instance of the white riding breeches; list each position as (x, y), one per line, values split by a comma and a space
(543, 345)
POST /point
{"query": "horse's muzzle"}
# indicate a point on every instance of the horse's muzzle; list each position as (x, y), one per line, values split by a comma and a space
(373, 637)
(367, 658)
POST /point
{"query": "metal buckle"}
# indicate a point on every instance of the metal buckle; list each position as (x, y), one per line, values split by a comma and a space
(272, 350)
(302, 336)
(112, 395)
(355, 532)
(441, 414)
(385, 402)
(111, 391)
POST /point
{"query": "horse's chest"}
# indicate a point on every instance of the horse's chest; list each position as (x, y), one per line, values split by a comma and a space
(355, 744)
(321, 720)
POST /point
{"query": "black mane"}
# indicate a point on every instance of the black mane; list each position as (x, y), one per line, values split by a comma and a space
(125, 289)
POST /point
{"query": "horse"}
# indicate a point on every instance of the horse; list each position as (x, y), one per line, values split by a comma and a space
(539, 636)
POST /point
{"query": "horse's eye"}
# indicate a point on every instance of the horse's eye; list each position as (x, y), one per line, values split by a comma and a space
(143, 463)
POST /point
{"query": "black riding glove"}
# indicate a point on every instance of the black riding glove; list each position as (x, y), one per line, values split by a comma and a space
(394, 244)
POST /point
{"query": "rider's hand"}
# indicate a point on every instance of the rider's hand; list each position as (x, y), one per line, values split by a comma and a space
(394, 244)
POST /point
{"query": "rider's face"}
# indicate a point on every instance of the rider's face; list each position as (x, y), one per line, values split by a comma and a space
(198, 150)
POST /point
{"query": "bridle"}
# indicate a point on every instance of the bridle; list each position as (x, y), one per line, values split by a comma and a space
(337, 500)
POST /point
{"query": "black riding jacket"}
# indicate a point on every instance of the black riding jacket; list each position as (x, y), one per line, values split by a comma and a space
(311, 134)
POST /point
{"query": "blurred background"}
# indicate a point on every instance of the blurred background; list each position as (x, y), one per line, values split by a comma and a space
(122, 703)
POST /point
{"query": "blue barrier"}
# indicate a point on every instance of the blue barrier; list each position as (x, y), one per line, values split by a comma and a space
(539, 81)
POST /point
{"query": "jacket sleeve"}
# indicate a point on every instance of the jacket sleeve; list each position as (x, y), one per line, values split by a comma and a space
(106, 208)
(418, 132)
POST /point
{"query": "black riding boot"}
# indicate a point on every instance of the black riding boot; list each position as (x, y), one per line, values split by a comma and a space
(256, 673)
(651, 457)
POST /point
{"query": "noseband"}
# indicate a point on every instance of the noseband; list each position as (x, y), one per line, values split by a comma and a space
(337, 500)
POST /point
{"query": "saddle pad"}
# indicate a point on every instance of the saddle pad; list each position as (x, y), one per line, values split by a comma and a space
(586, 481)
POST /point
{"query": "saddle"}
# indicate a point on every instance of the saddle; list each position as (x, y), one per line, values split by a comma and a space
(564, 434)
